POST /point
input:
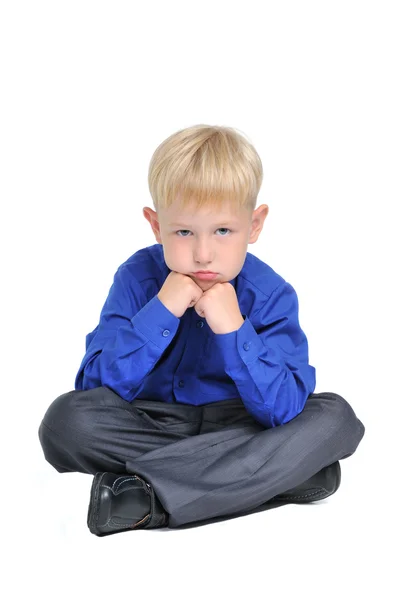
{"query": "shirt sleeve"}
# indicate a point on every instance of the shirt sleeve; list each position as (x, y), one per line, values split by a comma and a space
(269, 361)
(130, 338)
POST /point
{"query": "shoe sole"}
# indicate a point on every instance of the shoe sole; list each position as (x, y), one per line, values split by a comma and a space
(94, 497)
(333, 479)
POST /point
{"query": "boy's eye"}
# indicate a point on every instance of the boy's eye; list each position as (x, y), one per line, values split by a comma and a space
(219, 229)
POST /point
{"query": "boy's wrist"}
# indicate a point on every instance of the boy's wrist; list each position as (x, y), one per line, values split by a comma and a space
(233, 326)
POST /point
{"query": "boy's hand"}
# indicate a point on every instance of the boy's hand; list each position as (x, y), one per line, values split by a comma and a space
(179, 292)
(219, 306)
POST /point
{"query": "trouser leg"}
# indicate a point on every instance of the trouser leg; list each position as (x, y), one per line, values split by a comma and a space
(95, 430)
(235, 466)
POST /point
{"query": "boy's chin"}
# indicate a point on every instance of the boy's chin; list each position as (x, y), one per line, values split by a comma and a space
(203, 283)
(206, 285)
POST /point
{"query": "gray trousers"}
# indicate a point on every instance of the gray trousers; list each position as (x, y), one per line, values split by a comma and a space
(209, 462)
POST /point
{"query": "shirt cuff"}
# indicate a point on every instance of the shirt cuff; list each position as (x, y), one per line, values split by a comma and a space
(241, 346)
(164, 323)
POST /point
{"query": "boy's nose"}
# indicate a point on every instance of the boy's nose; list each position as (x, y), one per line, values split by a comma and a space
(203, 256)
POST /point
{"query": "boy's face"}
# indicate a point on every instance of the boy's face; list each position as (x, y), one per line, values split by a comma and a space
(206, 240)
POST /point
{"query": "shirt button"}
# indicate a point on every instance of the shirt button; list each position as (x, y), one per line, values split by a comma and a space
(246, 346)
(199, 324)
(166, 332)
(181, 383)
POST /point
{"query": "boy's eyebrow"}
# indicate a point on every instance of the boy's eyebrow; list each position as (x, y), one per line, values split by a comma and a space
(220, 224)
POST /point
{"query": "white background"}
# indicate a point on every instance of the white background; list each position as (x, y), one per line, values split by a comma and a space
(88, 91)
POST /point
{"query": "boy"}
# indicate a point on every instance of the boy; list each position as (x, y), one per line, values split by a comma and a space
(195, 399)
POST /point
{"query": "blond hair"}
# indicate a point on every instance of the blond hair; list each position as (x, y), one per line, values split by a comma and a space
(207, 164)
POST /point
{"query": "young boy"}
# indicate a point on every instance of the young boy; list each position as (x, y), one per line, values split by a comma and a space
(195, 399)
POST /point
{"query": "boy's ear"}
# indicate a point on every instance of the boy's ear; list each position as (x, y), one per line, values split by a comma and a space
(257, 222)
(147, 213)
(152, 218)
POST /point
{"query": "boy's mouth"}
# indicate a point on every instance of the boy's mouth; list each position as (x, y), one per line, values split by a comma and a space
(205, 275)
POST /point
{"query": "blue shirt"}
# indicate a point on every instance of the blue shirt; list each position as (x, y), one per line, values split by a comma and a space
(140, 349)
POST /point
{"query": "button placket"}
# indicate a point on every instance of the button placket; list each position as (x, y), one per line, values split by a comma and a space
(199, 325)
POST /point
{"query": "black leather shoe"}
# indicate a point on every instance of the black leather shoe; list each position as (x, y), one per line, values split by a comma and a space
(319, 486)
(121, 503)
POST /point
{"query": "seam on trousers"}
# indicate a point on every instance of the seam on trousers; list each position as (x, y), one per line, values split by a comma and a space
(197, 450)
(161, 426)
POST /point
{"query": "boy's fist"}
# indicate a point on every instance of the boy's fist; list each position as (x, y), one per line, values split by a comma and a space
(179, 292)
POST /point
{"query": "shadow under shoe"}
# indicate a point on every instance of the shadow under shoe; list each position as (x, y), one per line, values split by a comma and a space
(319, 486)
(122, 503)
